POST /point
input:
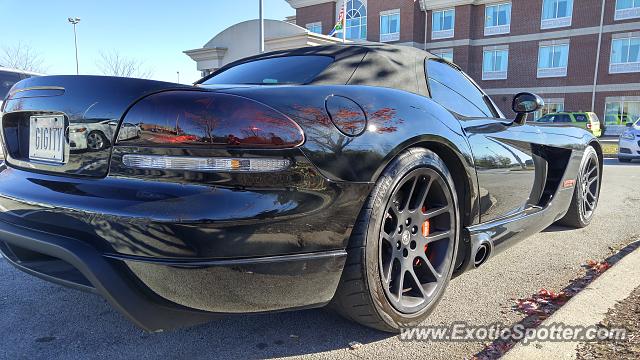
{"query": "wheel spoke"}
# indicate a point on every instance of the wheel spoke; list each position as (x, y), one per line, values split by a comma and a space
(418, 283)
(433, 270)
(387, 275)
(590, 194)
(592, 181)
(425, 193)
(438, 236)
(401, 284)
(431, 213)
(413, 188)
(394, 211)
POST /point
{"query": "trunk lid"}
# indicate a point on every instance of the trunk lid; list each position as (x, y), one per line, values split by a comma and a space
(86, 110)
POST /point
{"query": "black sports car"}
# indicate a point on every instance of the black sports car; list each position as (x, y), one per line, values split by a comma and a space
(361, 176)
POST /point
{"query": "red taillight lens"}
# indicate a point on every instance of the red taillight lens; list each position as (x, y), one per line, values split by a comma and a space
(206, 118)
(588, 125)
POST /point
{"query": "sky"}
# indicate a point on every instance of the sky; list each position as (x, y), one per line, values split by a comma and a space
(152, 32)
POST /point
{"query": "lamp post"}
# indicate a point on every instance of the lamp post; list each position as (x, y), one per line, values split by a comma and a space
(75, 21)
(178, 72)
(261, 26)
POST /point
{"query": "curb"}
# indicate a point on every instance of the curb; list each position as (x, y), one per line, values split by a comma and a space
(587, 308)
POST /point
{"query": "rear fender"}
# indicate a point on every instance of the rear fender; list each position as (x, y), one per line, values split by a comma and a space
(396, 120)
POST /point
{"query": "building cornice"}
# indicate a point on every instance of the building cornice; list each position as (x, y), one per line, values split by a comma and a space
(424, 4)
(296, 4)
(443, 4)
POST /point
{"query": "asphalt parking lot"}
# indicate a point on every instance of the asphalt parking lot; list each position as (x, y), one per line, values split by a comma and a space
(44, 321)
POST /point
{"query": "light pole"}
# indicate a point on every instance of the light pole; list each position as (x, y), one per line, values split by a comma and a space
(261, 26)
(75, 21)
(178, 72)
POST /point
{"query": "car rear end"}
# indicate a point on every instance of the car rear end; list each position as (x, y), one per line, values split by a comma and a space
(207, 206)
(591, 121)
(629, 143)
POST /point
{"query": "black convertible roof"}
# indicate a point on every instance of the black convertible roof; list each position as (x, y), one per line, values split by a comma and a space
(372, 64)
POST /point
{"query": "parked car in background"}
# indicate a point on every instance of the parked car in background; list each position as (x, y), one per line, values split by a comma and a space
(629, 148)
(8, 77)
(95, 135)
(583, 119)
(617, 119)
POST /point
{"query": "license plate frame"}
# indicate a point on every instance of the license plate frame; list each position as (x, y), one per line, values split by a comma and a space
(47, 142)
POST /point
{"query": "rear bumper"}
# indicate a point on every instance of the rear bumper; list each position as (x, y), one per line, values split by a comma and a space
(174, 254)
(157, 295)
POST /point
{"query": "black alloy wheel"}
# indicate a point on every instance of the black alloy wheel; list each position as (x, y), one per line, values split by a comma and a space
(416, 240)
(403, 246)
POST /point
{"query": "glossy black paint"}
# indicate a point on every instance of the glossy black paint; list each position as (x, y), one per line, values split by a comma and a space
(171, 231)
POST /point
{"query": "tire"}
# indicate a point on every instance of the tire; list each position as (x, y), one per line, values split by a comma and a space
(97, 141)
(581, 211)
(363, 295)
(624, 160)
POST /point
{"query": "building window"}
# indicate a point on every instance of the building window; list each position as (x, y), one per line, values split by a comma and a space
(625, 55)
(356, 14)
(495, 63)
(443, 24)
(497, 19)
(315, 27)
(446, 54)
(621, 110)
(553, 60)
(550, 106)
(627, 9)
(390, 25)
(556, 13)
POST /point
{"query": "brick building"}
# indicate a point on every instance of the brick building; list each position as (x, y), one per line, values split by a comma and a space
(580, 55)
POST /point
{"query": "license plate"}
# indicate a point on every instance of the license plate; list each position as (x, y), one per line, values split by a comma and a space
(46, 138)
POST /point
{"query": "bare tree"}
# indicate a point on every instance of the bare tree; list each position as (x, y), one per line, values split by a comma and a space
(114, 64)
(23, 57)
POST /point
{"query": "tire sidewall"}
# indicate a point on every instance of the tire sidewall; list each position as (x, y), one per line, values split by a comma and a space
(391, 178)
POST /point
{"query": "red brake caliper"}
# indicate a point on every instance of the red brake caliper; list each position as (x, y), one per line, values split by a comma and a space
(426, 229)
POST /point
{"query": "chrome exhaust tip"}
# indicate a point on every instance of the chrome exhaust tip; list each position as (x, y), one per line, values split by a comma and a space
(482, 254)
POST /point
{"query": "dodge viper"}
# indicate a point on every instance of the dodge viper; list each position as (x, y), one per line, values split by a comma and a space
(363, 177)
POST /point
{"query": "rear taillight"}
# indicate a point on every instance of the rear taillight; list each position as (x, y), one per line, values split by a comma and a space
(199, 118)
(588, 125)
(204, 164)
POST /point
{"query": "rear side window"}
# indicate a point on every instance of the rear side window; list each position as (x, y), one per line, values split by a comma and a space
(563, 118)
(7, 79)
(453, 90)
(287, 70)
(580, 117)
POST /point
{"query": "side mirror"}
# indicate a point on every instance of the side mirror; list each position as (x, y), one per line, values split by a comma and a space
(525, 103)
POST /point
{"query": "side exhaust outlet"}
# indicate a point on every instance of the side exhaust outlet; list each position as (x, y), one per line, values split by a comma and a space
(482, 254)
